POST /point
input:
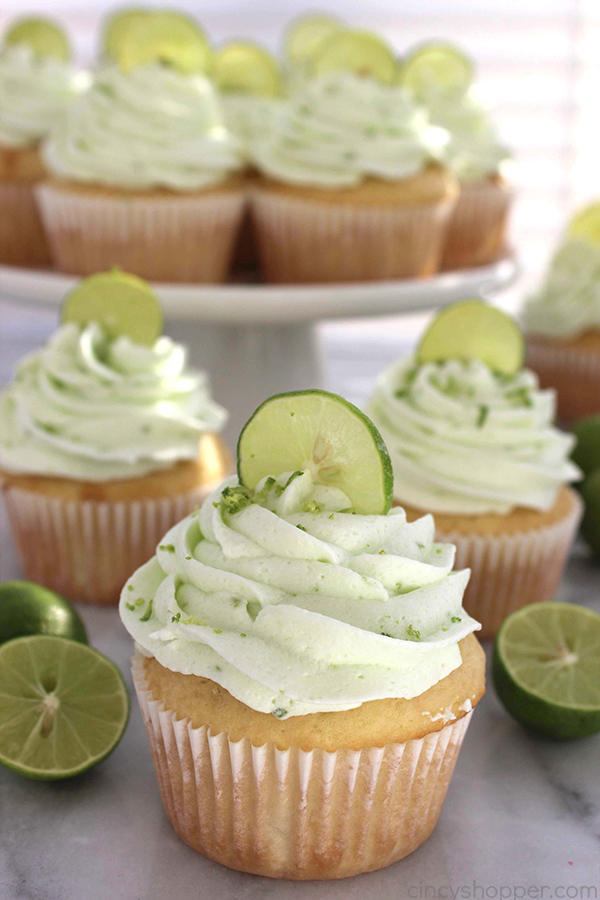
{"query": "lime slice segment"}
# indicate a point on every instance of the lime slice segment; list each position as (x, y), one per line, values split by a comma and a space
(437, 68)
(169, 38)
(63, 707)
(247, 67)
(324, 433)
(123, 304)
(27, 608)
(586, 453)
(586, 224)
(116, 29)
(45, 37)
(361, 52)
(306, 34)
(470, 329)
(546, 669)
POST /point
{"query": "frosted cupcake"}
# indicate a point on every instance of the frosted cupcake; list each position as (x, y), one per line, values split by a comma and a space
(38, 83)
(351, 187)
(294, 654)
(105, 442)
(477, 447)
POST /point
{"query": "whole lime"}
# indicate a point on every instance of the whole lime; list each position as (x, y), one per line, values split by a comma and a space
(586, 453)
(27, 608)
(590, 525)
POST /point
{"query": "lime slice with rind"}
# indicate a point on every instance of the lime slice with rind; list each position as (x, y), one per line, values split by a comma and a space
(117, 27)
(546, 669)
(471, 329)
(63, 707)
(245, 67)
(45, 37)
(360, 52)
(585, 224)
(169, 38)
(437, 68)
(586, 453)
(121, 303)
(305, 35)
(27, 608)
(325, 434)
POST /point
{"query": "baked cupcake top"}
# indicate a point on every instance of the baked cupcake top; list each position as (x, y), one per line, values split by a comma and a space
(35, 93)
(93, 408)
(151, 127)
(338, 129)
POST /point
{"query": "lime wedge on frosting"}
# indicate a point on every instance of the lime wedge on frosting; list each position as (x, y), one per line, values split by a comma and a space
(470, 329)
(45, 37)
(247, 67)
(305, 35)
(357, 51)
(27, 608)
(117, 26)
(325, 434)
(437, 68)
(585, 224)
(169, 38)
(122, 304)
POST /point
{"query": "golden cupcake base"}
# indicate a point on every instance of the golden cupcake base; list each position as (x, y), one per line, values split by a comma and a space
(572, 368)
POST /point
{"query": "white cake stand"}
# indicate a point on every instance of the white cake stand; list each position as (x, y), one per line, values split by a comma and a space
(257, 340)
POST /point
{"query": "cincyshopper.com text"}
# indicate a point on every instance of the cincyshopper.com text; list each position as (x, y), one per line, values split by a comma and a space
(475, 891)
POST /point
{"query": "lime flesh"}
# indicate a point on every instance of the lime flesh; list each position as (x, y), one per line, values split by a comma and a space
(117, 28)
(546, 669)
(169, 38)
(587, 449)
(122, 304)
(45, 37)
(63, 707)
(306, 34)
(247, 67)
(27, 608)
(586, 224)
(470, 329)
(437, 68)
(360, 52)
(324, 433)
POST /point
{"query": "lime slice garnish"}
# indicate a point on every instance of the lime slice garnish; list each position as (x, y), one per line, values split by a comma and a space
(305, 34)
(325, 434)
(123, 304)
(357, 51)
(590, 524)
(586, 224)
(27, 608)
(470, 329)
(437, 68)
(546, 668)
(116, 29)
(45, 37)
(63, 707)
(586, 453)
(169, 38)
(247, 67)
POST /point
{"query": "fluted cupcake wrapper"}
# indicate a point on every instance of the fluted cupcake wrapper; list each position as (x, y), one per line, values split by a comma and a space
(302, 241)
(573, 372)
(86, 550)
(159, 237)
(295, 813)
(477, 231)
(22, 238)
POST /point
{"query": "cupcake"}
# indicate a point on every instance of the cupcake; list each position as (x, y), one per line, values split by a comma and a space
(477, 448)
(351, 188)
(105, 442)
(144, 175)
(306, 673)
(38, 83)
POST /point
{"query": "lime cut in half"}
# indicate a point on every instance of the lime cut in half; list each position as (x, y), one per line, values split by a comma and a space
(357, 51)
(27, 608)
(248, 68)
(45, 37)
(169, 38)
(63, 707)
(122, 304)
(470, 329)
(437, 68)
(116, 29)
(325, 434)
(585, 224)
(546, 669)
(305, 35)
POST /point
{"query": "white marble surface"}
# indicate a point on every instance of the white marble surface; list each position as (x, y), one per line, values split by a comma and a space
(521, 820)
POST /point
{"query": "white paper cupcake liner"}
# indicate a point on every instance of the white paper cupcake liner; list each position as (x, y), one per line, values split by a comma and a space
(86, 550)
(22, 238)
(295, 813)
(159, 237)
(302, 241)
(477, 231)
(573, 372)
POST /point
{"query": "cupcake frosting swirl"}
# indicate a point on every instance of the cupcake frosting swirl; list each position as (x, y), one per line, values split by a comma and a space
(34, 94)
(94, 409)
(339, 129)
(296, 606)
(250, 117)
(152, 127)
(466, 440)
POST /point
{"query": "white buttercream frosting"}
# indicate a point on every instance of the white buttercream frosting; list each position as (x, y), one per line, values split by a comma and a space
(250, 117)
(94, 409)
(295, 607)
(151, 127)
(466, 440)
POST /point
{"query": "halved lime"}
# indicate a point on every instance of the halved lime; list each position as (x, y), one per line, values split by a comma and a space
(470, 329)
(590, 524)
(357, 51)
(247, 67)
(170, 38)
(63, 707)
(546, 669)
(27, 608)
(123, 304)
(586, 453)
(116, 29)
(324, 433)
(586, 224)
(45, 37)
(438, 68)
(306, 33)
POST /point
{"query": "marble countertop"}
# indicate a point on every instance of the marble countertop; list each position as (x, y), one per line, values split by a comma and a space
(521, 819)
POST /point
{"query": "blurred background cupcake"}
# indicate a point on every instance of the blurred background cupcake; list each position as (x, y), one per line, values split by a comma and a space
(38, 84)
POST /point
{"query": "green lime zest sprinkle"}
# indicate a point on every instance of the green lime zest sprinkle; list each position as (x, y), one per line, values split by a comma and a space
(382, 552)
(193, 620)
(139, 601)
(148, 612)
(386, 634)
(302, 528)
(130, 606)
(456, 619)
(311, 506)
(280, 713)
(234, 499)
(413, 633)
(236, 601)
(263, 495)
(176, 618)
(291, 478)
(484, 412)
(218, 630)
(130, 587)
(520, 397)
(331, 516)
(243, 635)
(168, 548)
